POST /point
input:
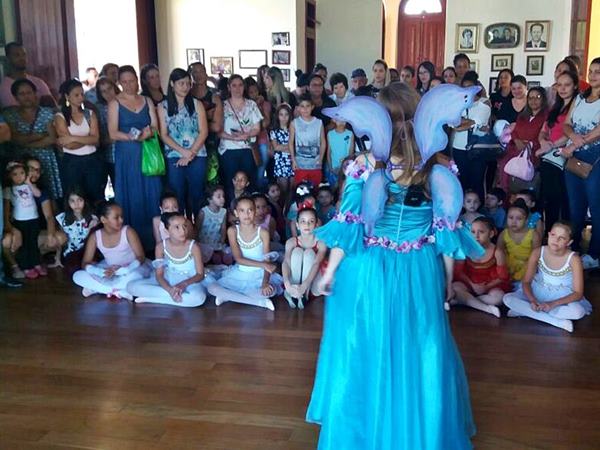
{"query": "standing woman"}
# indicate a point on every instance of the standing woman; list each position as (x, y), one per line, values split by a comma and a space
(151, 87)
(555, 203)
(183, 129)
(32, 130)
(582, 127)
(131, 120)
(566, 65)
(502, 93)
(106, 91)
(241, 125)
(425, 73)
(79, 135)
(381, 77)
(510, 110)
(264, 106)
(261, 72)
(277, 93)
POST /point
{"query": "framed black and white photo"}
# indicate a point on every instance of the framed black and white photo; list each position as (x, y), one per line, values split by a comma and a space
(492, 85)
(252, 59)
(280, 38)
(502, 61)
(282, 57)
(537, 35)
(195, 55)
(467, 37)
(474, 65)
(531, 84)
(221, 65)
(535, 65)
(286, 74)
(502, 35)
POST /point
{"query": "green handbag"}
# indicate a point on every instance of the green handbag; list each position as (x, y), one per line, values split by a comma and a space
(153, 163)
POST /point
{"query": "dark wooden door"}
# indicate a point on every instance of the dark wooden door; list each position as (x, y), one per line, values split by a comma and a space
(421, 38)
(47, 30)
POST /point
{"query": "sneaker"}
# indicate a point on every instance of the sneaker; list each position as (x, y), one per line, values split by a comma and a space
(31, 274)
(41, 270)
(589, 262)
(17, 273)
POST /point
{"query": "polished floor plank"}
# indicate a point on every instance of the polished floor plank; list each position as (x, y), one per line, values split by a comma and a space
(97, 374)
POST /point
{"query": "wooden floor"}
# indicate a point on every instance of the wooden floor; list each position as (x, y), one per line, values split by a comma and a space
(96, 374)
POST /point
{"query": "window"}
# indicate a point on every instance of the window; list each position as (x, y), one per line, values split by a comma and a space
(418, 7)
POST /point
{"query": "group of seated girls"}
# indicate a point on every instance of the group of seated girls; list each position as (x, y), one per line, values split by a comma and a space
(541, 282)
(177, 276)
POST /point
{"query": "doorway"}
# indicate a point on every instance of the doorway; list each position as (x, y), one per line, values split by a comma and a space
(421, 33)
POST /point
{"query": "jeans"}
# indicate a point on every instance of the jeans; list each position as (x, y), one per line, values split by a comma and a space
(188, 183)
(233, 160)
(86, 172)
(471, 171)
(583, 194)
(261, 178)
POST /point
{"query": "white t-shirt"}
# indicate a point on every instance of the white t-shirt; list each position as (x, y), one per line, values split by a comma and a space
(479, 112)
(22, 201)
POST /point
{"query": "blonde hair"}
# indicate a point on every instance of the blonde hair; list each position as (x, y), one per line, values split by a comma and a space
(278, 93)
(401, 101)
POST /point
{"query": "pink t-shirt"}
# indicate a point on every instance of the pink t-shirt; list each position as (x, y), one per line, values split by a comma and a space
(556, 132)
(6, 97)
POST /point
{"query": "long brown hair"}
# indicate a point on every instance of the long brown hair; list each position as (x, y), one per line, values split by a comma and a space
(401, 101)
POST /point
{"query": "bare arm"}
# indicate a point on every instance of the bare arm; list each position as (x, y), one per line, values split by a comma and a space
(202, 126)
(156, 230)
(532, 264)
(292, 145)
(4, 132)
(264, 236)
(90, 251)
(113, 123)
(321, 251)
(216, 124)
(286, 267)
(237, 252)
(322, 145)
(136, 245)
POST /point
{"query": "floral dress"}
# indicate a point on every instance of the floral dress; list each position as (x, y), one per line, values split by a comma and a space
(283, 160)
(77, 232)
(47, 155)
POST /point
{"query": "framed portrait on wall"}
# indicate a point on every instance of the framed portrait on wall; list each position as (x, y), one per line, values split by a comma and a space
(467, 37)
(280, 38)
(221, 64)
(286, 74)
(474, 65)
(252, 59)
(282, 57)
(535, 65)
(195, 55)
(502, 35)
(492, 85)
(537, 35)
(502, 61)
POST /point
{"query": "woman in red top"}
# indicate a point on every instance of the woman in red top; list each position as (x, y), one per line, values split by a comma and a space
(554, 198)
(526, 131)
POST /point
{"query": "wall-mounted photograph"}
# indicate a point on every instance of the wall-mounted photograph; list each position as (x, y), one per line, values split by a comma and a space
(282, 57)
(195, 55)
(535, 65)
(492, 85)
(537, 34)
(221, 65)
(286, 74)
(502, 61)
(467, 37)
(474, 65)
(280, 38)
(252, 59)
(531, 84)
(502, 35)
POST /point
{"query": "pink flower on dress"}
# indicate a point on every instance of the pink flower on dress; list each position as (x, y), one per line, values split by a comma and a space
(402, 247)
(348, 217)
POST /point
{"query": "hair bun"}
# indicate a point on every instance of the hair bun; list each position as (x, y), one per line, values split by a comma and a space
(298, 72)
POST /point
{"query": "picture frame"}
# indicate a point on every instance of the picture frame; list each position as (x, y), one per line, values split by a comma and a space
(221, 65)
(474, 65)
(281, 57)
(531, 84)
(286, 75)
(535, 65)
(252, 59)
(537, 35)
(501, 61)
(194, 55)
(280, 38)
(467, 37)
(492, 85)
(502, 35)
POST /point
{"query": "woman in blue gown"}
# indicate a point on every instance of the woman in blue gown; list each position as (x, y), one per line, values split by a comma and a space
(389, 375)
(138, 195)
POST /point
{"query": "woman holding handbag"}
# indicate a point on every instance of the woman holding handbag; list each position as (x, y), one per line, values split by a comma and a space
(241, 125)
(582, 174)
(526, 132)
(132, 120)
(554, 201)
(183, 129)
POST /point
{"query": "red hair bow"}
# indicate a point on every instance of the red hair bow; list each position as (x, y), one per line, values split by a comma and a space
(306, 204)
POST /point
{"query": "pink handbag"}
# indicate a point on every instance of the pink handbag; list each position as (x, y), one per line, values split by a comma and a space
(520, 166)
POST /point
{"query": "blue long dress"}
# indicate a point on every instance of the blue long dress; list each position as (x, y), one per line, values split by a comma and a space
(139, 195)
(389, 375)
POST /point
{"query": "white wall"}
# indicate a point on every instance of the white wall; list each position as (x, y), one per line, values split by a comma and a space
(349, 34)
(97, 45)
(516, 11)
(222, 28)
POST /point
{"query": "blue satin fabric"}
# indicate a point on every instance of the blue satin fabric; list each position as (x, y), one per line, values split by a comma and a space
(389, 375)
